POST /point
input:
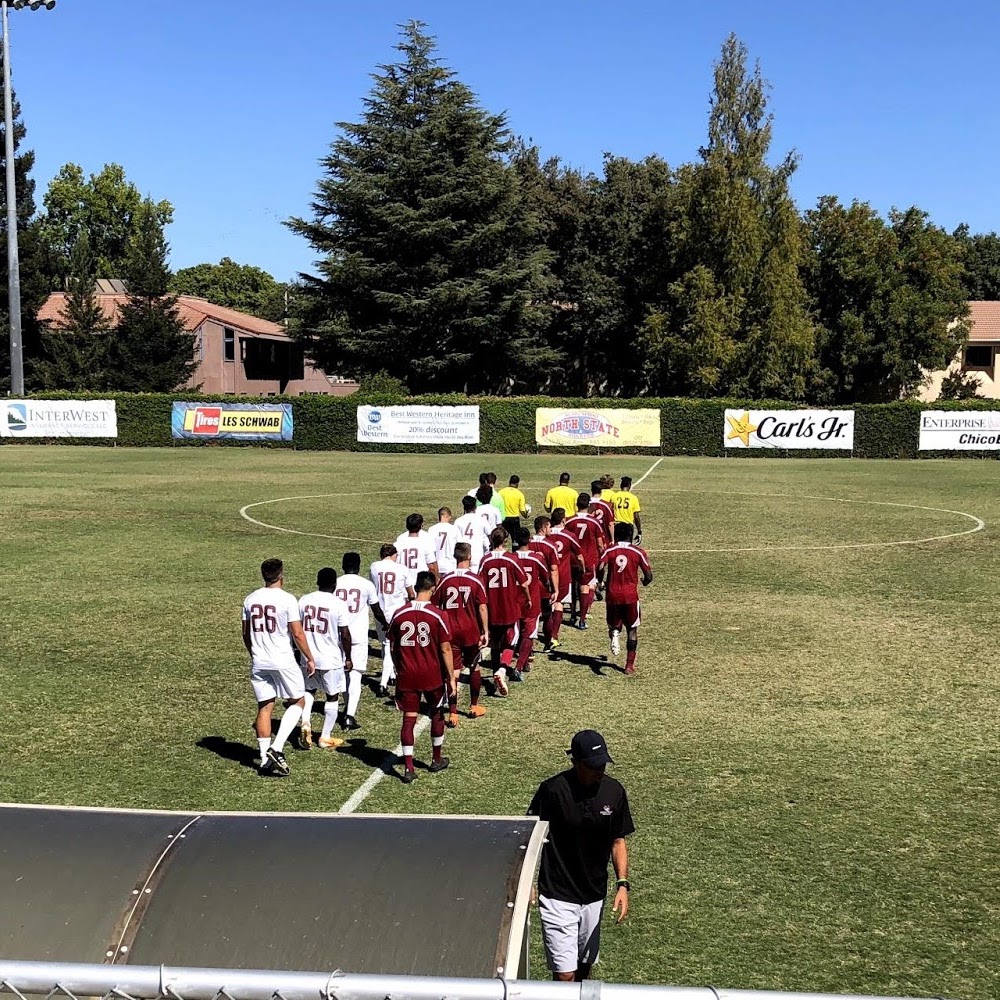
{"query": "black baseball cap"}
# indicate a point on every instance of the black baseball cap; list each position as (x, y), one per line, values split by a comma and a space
(589, 748)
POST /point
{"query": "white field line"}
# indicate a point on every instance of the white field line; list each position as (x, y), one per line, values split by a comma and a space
(365, 789)
(647, 472)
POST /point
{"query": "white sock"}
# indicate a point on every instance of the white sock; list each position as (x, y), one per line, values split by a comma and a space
(437, 741)
(264, 742)
(288, 722)
(407, 752)
(502, 670)
(388, 672)
(353, 692)
(307, 710)
(329, 717)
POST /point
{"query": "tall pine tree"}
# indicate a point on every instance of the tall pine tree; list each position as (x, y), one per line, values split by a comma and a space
(149, 350)
(431, 266)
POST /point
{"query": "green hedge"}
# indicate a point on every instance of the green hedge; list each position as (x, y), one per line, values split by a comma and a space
(507, 425)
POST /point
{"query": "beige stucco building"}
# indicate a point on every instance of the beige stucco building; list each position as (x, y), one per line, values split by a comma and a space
(237, 354)
(978, 358)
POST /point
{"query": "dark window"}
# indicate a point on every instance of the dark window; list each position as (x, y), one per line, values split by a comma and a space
(228, 343)
(979, 356)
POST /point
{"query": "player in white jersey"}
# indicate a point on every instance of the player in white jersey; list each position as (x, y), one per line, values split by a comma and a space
(325, 621)
(444, 536)
(487, 510)
(394, 586)
(271, 622)
(415, 549)
(472, 530)
(359, 595)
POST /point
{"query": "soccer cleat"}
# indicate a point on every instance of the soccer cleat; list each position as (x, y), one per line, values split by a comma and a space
(500, 685)
(350, 723)
(616, 645)
(408, 777)
(629, 669)
(438, 765)
(305, 738)
(515, 675)
(554, 644)
(582, 625)
(265, 769)
(278, 763)
(452, 721)
(330, 742)
(476, 711)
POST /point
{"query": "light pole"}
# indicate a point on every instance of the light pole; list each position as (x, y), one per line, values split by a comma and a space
(13, 266)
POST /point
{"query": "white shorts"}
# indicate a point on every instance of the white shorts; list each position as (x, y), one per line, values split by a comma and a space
(330, 682)
(571, 933)
(277, 682)
(359, 654)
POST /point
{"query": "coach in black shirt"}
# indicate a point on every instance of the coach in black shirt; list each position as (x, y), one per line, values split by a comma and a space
(589, 819)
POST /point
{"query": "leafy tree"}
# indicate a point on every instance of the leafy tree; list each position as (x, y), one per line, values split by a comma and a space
(735, 244)
(888, 299)
(960, 385)
(74, 355)
(238, 286)
(430, 261)
(149, 350)
(107, 207)
(982, 263)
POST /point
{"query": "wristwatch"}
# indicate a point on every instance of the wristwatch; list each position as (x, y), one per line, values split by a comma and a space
(623, 883)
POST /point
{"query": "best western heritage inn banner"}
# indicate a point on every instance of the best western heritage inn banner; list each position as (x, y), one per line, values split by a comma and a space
(833, 429)
(50, 418)
(232, 421)
(419, 424)
(959, 430)
(598, 428)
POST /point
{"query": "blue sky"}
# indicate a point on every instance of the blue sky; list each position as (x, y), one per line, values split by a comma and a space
(224, 107)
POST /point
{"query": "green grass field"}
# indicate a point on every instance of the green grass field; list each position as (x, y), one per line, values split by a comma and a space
(810, 747)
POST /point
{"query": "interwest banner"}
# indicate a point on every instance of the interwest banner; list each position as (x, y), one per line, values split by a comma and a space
(599, 428)
(833, 429)
(959, 430)
(232, 421)
(49, 418)
(419, 424)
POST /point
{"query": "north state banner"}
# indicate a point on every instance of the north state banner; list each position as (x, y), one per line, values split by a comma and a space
(597, 428)
(232, 421)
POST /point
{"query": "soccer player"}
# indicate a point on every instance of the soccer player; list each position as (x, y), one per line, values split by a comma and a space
(627, 508)
(602, 510)
(608, 492)
(488, 480)
(326, 623)
(623, 562)
(517, 507)
(359, 595)
(487, 510)
(588, 531)
(271, 622)
(570, 562)
(461, 598)
(414, 547)
(444, 537)
(507, 598)
(394, 586)
(562, 495)
(541, 543)
(421, 651)
(539, 588)
(472, 529)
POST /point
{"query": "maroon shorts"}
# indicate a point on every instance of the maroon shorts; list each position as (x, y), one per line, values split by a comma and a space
(410, 701)
(529, 626)
(504, 636)
(467, 656)
(623, 615)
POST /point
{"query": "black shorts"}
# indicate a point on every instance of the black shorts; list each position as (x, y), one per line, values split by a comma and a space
(512, 524)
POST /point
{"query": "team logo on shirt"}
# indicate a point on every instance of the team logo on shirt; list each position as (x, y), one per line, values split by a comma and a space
(606, 810)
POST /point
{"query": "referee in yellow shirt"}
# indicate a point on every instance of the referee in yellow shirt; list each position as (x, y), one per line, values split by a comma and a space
(627, 508)
(561, 496)
(516, 508)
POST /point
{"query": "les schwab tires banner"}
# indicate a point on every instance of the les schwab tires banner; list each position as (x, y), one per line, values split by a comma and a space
(232, 421)
(50, 418)
(599, 428)
(833, 429)
(419, 424)
(959, 430)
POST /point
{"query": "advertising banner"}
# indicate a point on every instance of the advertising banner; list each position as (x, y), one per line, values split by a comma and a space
(833, 429)
(599, 428)
(232, 421)
(51, 418)
(419, 424)
(959, 430)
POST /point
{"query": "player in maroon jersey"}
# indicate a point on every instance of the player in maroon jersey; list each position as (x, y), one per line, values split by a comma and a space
(421, 652)
(539, 587)
(588, 531)
(623, 562)
(507, 596)
(461, 597)
(570, 560)
(602, 510)
(541, 544)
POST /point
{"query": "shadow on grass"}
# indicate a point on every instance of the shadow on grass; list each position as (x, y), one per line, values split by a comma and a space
(244, 755)
(377, 758)
(596, 663)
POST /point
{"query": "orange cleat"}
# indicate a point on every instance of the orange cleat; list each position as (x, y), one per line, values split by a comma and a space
(477, 711)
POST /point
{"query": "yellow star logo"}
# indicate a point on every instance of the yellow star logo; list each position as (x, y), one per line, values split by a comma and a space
(740, 427)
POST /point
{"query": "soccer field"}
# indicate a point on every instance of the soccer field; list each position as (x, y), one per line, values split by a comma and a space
(810, 746)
